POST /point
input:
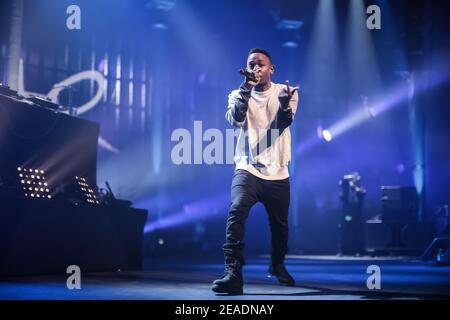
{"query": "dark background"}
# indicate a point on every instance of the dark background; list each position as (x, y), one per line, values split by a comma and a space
(187, 70)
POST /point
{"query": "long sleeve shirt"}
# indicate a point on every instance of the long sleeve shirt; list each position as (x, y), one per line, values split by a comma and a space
(264, 142)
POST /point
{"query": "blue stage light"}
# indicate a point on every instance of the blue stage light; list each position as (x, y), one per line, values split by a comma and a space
(327, 135)
(286, 24)
(290, 44)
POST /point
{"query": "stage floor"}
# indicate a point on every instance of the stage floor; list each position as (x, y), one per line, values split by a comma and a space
(317, 277)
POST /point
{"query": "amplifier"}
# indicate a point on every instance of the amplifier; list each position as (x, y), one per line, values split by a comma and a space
(399, 204)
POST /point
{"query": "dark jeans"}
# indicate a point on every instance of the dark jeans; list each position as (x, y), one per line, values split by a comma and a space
(246, 190)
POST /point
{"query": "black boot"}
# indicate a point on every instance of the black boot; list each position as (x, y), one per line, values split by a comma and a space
(231, 282)
(279, 270)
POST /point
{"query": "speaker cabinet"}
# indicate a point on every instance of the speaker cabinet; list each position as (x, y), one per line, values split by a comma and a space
(406, 238)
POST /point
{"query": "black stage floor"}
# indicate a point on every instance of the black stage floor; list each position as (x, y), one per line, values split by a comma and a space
(317, 277)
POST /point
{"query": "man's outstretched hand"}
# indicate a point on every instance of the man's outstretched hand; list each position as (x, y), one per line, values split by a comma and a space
(285, 96)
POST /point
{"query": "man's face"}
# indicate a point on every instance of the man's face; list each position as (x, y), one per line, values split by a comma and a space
(260, 64)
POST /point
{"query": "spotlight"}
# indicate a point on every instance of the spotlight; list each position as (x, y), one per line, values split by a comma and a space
(286, 24)
(33, 181)
(372, 112)
(290, 44)
(160, 26)
(327, 135)
(85, 191)
(163, 5)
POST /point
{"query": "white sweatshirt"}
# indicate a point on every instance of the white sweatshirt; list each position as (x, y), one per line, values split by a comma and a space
(260, 119)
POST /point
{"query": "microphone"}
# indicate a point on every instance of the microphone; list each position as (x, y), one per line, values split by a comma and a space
(248, 75)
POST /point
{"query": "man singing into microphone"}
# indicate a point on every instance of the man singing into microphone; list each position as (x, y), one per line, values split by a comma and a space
(263, 111)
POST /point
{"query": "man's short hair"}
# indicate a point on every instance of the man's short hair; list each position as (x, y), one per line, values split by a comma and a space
(263, 51)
